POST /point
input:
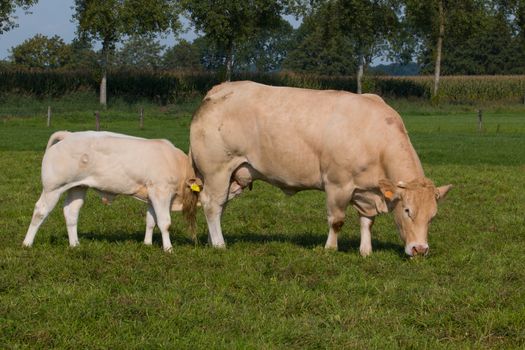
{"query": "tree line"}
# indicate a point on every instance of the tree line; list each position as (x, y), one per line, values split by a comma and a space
(334, 37)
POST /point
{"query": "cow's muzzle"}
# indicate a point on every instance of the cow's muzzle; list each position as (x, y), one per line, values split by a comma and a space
(415, 249)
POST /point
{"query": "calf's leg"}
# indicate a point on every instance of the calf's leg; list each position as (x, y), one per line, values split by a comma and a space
(150, 225)
(72, 204)
(161, 203)
(43, 207)
(365, 248)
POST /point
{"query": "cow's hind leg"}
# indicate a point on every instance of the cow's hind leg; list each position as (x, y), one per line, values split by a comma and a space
(150, 225)
(72, 204)
(365, 248)
(213, 199)
(161, 203)
(337, 200)
(43, 207)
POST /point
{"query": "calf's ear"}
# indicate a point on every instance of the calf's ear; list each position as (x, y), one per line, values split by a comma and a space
(388, 189)
(441, 192)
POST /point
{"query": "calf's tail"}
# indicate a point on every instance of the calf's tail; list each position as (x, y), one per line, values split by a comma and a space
(190, 198)
(57, 137)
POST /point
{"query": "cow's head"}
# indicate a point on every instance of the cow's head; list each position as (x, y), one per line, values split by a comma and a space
(414, 205)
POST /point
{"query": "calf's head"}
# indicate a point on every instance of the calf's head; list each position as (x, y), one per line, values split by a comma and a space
(414, 205)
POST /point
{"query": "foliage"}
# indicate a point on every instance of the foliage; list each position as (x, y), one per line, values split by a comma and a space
(267, 50)
(481, 37)
(83, 57)
(321, 46)
(184, 55)
(230, 24)
(139, 52)
(7, 9)
(107, 21)
(42, 52)
(274, 287)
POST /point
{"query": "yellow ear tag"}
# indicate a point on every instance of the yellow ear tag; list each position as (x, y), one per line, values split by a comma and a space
(389, 194)
(195, 188)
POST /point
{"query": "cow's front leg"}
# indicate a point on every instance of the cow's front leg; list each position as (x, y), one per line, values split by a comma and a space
(72, 204)
(365, 247)
(337, 200)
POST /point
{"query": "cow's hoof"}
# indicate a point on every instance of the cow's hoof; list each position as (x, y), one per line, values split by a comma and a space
(168, 250)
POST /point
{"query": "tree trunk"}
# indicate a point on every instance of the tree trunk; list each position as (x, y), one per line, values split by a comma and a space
(229, 61)
(103, 89)
(360, 72)
(439, 47)
(103, 82)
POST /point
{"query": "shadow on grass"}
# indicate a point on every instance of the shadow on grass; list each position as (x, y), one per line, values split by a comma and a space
(138, 236)
(305, 240)
(310, 241)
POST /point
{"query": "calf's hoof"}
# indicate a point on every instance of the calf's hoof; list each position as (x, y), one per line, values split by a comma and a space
(365, 251)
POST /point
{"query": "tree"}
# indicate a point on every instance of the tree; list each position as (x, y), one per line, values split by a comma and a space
(184, 55)
(42, 52)
(321, 46)
(140, 51)
(370, 25)
(7, 9)
(431, 21)
(228, 24)
(466, 36)
(108, 20)
(82, 55)
(267, 50)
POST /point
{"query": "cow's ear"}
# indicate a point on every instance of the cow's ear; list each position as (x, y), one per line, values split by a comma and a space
(388, 189)
(441, 192)
(195, 184)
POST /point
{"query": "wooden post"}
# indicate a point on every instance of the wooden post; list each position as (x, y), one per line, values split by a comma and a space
(97, 121)
(480, 120)
(141, 119)
(48, 116)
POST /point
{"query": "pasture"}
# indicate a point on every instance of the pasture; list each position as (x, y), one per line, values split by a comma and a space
(274, 286)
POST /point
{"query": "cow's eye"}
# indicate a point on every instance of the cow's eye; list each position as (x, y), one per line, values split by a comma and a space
(408, 213)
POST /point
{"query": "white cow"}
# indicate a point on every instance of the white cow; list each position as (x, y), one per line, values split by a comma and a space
(153, 171)
(353, 147)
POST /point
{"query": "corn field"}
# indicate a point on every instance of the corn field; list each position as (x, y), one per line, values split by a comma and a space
(169, 86)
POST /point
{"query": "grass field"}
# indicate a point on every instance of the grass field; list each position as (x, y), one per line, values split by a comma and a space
(275, 286)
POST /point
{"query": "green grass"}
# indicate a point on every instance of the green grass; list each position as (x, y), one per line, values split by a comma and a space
(275, 286)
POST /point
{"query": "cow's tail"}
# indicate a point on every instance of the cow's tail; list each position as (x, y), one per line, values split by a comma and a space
(57, 137)
(190, 197)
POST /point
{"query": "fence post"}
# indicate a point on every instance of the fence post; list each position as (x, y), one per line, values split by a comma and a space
(141, 118)
(480, 120)
(48, 116)
(97, 121)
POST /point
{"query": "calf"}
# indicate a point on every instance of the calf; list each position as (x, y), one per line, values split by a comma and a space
(153, 171)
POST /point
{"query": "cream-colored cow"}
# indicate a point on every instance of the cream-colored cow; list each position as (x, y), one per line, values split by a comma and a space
(353, 147)
(153, 171)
